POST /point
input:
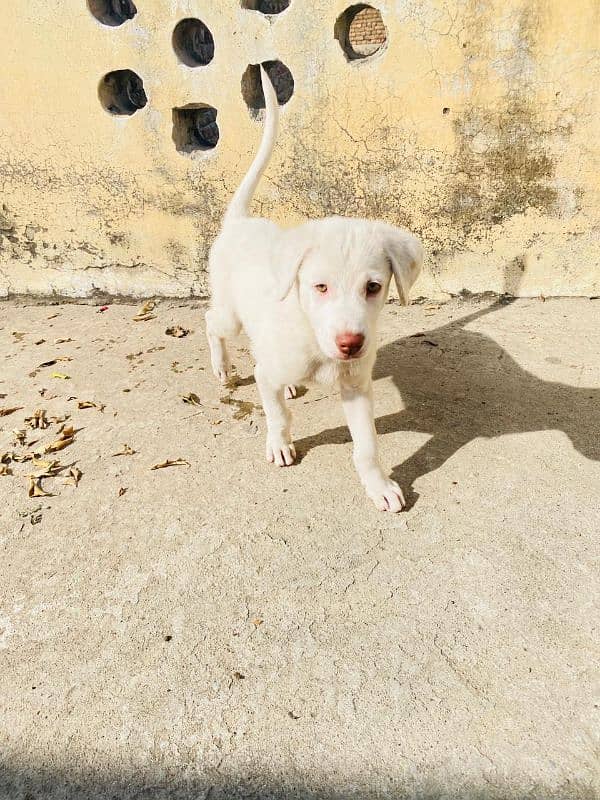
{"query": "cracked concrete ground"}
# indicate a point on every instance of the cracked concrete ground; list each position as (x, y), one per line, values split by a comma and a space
(233, 630)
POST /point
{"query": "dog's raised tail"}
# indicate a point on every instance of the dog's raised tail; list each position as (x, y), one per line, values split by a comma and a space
(240, 203)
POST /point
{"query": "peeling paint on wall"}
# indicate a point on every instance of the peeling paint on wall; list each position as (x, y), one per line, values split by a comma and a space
(475, 124)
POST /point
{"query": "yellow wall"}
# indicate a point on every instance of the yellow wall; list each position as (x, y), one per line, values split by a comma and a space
(503, 187)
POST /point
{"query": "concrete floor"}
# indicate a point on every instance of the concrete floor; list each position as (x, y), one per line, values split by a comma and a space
(233, 630)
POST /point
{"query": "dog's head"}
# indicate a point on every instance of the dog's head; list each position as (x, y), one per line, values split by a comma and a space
(342, 270)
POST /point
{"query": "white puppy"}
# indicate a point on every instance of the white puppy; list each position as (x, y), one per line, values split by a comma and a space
(308, 299)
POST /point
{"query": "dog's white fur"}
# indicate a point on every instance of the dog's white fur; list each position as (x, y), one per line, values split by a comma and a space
(263, 279)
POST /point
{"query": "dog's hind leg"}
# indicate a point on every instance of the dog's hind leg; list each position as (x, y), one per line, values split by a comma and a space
(221, 324)
(280, 449)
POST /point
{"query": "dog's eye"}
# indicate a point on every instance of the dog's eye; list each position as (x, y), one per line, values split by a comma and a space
(321, 287)
(373, 287)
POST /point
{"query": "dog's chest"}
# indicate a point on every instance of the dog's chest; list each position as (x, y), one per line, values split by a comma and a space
(329, 371)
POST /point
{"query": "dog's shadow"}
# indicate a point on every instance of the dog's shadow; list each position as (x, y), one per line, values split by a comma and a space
(458, 385)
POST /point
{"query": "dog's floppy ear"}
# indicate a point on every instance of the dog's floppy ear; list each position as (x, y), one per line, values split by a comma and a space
(287, 261)
(405, 253)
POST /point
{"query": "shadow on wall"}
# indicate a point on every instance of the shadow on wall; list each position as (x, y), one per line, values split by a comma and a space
(458, 385)
(31, 784)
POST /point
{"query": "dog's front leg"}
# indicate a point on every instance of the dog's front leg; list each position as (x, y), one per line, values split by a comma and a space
(279, 442)
(358, 408)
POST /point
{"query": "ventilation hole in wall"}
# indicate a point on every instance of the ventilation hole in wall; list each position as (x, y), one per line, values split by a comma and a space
(122, 92)
(193, 43)
(252, 90)
(266, 6)
(195, 127)
(112, 12)
(360, 31)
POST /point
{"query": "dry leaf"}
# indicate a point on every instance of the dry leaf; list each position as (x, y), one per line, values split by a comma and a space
(38, 420)
(5, 469)
(49, 468)
(62, 341)
(122, 491)
(53, 316)
(18, 336)
(67, 436)
(191, 399)
(4, 412)
(36, 489)
(126, 451)
(90, 404)
(21, 458)
(53, 361)
(61, 376)
(59, 444)
(177, 331)
(20, 435)
(67, 431)
(5, 458)
(74, 477)
(40, 341)
(59, 420)
(177, 462)
(145, 312)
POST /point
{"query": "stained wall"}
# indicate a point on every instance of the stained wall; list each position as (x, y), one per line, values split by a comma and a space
(475, 125)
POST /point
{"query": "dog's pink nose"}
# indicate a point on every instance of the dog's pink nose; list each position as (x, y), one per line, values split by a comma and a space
(349, 343)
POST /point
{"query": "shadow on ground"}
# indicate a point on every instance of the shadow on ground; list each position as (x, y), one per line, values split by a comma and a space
(31, 784)
(458, 385)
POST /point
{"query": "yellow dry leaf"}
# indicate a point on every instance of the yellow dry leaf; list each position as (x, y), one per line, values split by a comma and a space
(20, 458)
(59, 420)
(20, 435)
(4, 412)
(59, 444)
(5, 469)
(176, 462)
(90, 404)
(49, 467)
(38, 420)
(191, 399)
(145, 312)
(74, 477)
(61, 376)
(126, 451)
(36, 489)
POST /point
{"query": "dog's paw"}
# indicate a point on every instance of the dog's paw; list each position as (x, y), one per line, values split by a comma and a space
(280, 452)
(290, 392)
(222, 373)
(386, 494)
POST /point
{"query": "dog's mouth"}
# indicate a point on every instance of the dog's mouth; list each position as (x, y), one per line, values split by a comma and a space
(350, 356)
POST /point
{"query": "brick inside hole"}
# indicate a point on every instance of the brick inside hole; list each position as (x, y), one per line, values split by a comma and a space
(266, 6)
(195, 127)
(112, 12)
(360, 31)
(193, 43)
(122, 93)
(252, 90)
